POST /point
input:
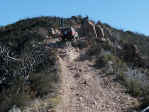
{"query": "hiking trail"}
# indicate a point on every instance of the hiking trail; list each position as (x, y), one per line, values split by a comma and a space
(86, 89)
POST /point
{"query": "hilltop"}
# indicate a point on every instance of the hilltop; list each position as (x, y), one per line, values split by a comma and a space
(106, 69)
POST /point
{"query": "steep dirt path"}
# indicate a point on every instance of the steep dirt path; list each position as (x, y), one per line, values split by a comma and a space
(84, 89)
(69, 99)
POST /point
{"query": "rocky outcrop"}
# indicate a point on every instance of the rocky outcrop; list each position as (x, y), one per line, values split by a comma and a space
(99, 31)
(88, 28)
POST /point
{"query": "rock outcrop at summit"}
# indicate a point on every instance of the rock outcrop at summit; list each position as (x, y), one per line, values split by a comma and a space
(90, 29)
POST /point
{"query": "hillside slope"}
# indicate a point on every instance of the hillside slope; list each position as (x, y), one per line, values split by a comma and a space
(104, 70)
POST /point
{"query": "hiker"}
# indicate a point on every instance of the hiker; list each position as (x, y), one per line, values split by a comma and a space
(63, 34)
(52, 32)
(69, 34)
(74, 33)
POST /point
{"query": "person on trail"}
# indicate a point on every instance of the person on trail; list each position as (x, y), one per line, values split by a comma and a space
(63, 34)
(74, 33)
(52, 31)
(69, 34)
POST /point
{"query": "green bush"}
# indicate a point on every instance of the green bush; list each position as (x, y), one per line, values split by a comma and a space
(44, 81)
(109, 57)
(121, 76)
(134, 87)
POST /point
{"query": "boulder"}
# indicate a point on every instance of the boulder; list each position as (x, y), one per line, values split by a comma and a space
(15, 109)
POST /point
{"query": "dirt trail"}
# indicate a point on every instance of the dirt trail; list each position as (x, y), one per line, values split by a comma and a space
(84, 89)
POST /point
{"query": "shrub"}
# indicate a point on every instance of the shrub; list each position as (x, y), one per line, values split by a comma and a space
(134, 87)
(36, 75)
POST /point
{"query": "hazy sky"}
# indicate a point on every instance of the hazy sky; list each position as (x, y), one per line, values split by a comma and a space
(123, 14)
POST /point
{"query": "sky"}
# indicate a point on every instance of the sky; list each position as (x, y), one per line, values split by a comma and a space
(122, 14)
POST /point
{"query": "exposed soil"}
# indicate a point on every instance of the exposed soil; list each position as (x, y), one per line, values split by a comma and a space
(86, 89)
